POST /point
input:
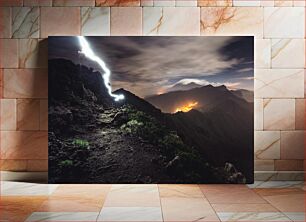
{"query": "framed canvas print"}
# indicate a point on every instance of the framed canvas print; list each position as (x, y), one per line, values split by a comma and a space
(151, 109)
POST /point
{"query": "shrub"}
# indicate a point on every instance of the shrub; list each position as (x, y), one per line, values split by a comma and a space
(84, 144)
(66, 163)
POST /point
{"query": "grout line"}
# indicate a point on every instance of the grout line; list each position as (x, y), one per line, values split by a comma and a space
(161, 207)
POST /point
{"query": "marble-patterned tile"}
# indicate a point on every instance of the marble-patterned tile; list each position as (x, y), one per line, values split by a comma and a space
(300, 114)
(180, 190)
(133, 196)
(279, 114)
(249, 3)
(93, 191)
(130, 214)
(5, 22)
(126, 21)
(37, 165)
(282, 49)
(277, 184)
(6, 3)
(267, 3)
(1, 83)
(274, 83)
(285, 199)
(74, 3)
(123, 3)
(25, 83)
(264, 165)
(18, 208)
(289, 165)
(263, 53)
(283, 3)
(230, 194)
(37, 2)
(212, 3)
(186, 3)
(27, 114)
(163, 3)
(278, 19)
(52, 16)
(232, 21)
(267, 145)
(24, 145)
(295, 216)
(33, 53)
(292, 144)
(13, 165)
(95, 21)
(63, 216)
(9, 188)
(25, 22)
(253, 216)
(8, 53)
(279, 175)
(263, 207)
(43, 114)
(146, 3)
(258, 115)
(299, 3)
(8, 114)
(187, 209)
(160, 21)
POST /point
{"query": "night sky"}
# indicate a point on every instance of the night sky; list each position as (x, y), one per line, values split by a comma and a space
(152, 65)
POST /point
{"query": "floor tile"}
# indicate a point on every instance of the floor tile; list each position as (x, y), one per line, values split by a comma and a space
(9, 188)
(63, 216)
(274, 216)
(298, 216)
(187, 209)
(85, 190)
(180, 190)
(263, 207)
(18, 208)
(133, 195)
(230, 194)
(130, 214)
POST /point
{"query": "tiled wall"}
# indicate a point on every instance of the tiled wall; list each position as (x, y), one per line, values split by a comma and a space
(279, 28)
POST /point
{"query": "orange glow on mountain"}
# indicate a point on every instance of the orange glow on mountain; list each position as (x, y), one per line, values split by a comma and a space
(187, 107)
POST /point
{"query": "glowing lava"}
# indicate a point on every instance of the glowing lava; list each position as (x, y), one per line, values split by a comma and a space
(87, 51)
(187, 107)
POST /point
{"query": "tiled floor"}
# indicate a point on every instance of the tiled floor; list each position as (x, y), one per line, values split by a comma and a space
(263, 201)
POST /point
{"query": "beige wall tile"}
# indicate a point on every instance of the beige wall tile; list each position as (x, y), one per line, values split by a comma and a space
(186, 3)
(263, 53)
(159, 21)
(33, 53)
(163, 3)
(25, 83)
(146, 2)
(276, 83)
(73, 2)
(232, 21)
(25, 22)
(27, 114)
(126, 21)
(118, 3)
(284, 3)
(24, 145)
(37, 2)
(8, 114)
(289, 165)
(246, 3)
(43, 124)
(4, 3)
(13, 165)
(266, 3)
(51, 17)
(258, 114)
(8, 53)
(299, 3)
(300, 114)
(279, 114)
(95, 21)
(267, 145)
(5, 22)
(37, 165)
(292, 145)
(264, 165)
(284, 22)
(1, 83)
(284, 49)
(212, 3)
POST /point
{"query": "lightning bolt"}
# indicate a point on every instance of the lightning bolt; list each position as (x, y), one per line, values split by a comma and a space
(87, 51)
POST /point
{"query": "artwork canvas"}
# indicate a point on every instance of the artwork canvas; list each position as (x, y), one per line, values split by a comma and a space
(127, 109)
